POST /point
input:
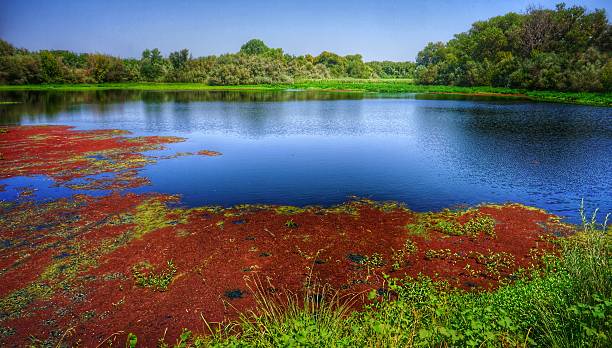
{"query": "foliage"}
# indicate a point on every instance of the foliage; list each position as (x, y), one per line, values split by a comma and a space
(389, 70)
(255, 63)
(448, 222)
(144, 276)
(565, 49)
(291, 224)
(480, 224)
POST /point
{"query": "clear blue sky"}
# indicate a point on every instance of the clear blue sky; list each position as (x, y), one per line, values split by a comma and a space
(394, 30)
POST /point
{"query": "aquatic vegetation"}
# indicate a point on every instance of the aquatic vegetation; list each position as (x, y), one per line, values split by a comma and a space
(453, 223)
(209, 153)
(410, 247)
(291, 224)
(122, 180)
(288, 210)
(154, 214)
(480, 224)
(12, 305)
(81, 257)
(552, 306)
(76, 158)
(449, 227)
(399, 257)
(369, 261)
(495, 262)
(145, 276)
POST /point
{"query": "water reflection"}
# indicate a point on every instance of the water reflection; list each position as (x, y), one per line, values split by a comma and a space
(51, 103)
(312, 147)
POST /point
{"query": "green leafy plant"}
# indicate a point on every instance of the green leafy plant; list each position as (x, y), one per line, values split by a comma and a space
(480, 224)
(145, 276)
(131, 341)
(291, 224)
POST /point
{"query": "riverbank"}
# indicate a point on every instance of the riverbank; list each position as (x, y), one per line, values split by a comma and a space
(372, 85)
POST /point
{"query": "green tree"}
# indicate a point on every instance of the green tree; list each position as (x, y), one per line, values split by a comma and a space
(152, 65)
(103, 68)
(52, 68)
(566, 48)
(254, 46)
(179, 59)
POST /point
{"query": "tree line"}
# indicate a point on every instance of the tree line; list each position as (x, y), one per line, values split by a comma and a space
(566, 48)
(255, 63)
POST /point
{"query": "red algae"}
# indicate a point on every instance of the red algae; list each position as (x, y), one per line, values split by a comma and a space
(64, 154)
(84, 251)
(209, 153)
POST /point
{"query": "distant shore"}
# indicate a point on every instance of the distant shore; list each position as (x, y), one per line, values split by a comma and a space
(343, 85)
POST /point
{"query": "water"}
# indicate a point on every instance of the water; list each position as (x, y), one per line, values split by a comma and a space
(306, 147)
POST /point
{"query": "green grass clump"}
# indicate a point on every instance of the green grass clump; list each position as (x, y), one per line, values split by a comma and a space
(288, 210)
(291, 224)
(480, 224)
(451, 228)
(372, 261)
(447, 222)
(145, 277)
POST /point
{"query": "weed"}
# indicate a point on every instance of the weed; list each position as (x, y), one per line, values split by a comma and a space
(451, 228)
(480, 224)
(399, 256)
(438, 254)
(146, 278)
(410, 247)
(291, 224)
(373, 261)
(288, 210)
(495, 263)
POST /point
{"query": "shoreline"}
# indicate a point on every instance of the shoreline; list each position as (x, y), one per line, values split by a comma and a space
(380, 86)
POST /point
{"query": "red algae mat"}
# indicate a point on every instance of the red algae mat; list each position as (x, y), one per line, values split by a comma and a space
(95, 266)
(65, 154)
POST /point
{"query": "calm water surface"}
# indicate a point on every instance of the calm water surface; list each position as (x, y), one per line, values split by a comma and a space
(304, 148)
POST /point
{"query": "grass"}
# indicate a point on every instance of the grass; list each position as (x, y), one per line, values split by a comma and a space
(291, 224)
(567, 303)
(407, 86)
(145, 277)
(446, 222)
(365, 85)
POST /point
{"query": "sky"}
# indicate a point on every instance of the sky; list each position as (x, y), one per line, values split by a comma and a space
(378, 30)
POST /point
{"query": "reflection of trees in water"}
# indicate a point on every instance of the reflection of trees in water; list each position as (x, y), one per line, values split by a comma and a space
(50, 103)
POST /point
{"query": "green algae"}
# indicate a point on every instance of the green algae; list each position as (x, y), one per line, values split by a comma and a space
(12, 305)
(152, 215)
(288, 210)
(447, 222)
(480, 224)
(61, 273)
